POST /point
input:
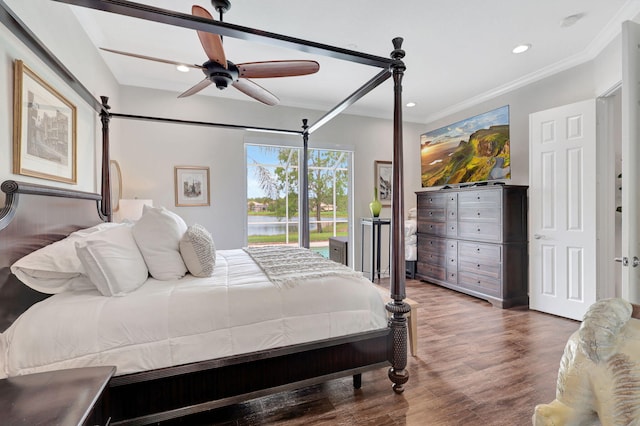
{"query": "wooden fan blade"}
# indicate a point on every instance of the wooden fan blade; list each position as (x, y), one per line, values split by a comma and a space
(270, 69)
(195, 89)
(211, 43)
(151, 58)
(257, 92)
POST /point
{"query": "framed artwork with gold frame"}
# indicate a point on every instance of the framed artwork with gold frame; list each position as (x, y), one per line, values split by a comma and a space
(44, 129)
(192, 186)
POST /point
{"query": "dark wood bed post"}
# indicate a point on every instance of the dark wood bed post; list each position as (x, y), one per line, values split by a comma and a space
(304, 205)
(398, 322)
(105, 117)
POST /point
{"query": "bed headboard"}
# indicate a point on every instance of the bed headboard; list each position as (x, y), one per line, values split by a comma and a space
(33, 217)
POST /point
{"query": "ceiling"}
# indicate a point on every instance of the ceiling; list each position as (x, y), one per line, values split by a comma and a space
(457, 51)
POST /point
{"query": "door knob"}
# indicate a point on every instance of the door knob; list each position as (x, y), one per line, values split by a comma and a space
(625, 261)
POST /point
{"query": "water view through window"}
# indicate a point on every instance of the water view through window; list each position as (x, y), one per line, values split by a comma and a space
(273, 185)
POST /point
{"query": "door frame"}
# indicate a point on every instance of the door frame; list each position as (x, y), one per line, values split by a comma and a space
(608, 136)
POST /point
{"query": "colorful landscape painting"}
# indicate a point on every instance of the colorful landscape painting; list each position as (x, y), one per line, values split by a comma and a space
(475, 149)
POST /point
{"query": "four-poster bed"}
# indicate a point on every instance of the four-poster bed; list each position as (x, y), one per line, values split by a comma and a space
(164, 393)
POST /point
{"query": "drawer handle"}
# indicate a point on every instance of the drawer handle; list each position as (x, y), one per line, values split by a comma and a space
(453, 260)
(478, 281)
(478, 265)
(478, 229)
(478, 213)
(478, 250)
(430, 213)
(478, 197)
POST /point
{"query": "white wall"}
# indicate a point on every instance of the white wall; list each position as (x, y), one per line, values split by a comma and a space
(148, 152)
(586, 81)
(69, 43)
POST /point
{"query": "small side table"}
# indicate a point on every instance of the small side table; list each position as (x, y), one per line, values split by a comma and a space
(62, 397)
(338, 250)
(375, 223)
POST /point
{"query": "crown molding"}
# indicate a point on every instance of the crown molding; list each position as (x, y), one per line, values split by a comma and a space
(609, 32)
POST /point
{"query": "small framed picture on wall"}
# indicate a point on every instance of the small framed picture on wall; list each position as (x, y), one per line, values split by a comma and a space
(383, 180)
(192, 186)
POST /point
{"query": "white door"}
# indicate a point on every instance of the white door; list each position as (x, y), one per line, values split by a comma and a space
(562, 206)
(630, 161)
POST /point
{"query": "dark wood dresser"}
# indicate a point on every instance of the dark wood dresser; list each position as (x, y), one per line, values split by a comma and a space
(474, 240)
(74, 396)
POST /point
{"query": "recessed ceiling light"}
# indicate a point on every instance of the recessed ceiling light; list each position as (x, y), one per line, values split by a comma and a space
(182, 68)
(521, 48)
(411, 104)
(571, 20)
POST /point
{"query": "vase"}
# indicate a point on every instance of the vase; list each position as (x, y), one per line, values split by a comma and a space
(375, 205)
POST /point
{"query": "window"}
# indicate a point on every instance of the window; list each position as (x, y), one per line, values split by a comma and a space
(273, 186)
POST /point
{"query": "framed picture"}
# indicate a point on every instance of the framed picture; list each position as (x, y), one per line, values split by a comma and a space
(192, 186)
(44, 129)
(383, 180)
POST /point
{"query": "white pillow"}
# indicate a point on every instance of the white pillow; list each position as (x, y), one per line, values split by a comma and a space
(56, 268)
(158, 233)
(198, 251)
(113, 263)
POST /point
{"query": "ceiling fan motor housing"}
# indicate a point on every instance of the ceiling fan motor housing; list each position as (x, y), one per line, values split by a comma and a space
(220, 76)
(221, 5)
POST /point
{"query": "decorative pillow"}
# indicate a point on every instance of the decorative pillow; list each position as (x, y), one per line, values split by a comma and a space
(56, 268)
(198, 251)
(158, 233)
(113, 263)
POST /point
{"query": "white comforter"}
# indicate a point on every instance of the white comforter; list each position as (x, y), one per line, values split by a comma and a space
(166, 323)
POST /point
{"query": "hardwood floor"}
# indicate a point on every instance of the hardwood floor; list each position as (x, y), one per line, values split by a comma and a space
(476, 365)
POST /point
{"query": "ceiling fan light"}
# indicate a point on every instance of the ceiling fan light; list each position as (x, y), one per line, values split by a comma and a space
(182, 68)
(521, 48)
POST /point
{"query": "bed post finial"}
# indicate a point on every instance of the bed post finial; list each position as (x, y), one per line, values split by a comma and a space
(304, 207)
(398, 307)
(105, 117)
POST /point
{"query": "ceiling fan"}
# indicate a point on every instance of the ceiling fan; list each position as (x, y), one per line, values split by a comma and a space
(221, 72)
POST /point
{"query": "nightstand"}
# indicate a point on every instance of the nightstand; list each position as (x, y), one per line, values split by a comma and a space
(74, 396)
(338, 250)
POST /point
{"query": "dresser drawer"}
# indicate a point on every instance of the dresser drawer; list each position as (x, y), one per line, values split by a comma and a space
(433, 228)
(467, 249)
(480, 231)
(431, 245)
(452, 247)
(480, 214)
(452, 229)
(428, 200)
(486, 268)
(430, 271)
(435, 214)
(491, 196)
(452, 276)
(479, 283)
(432, 258)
